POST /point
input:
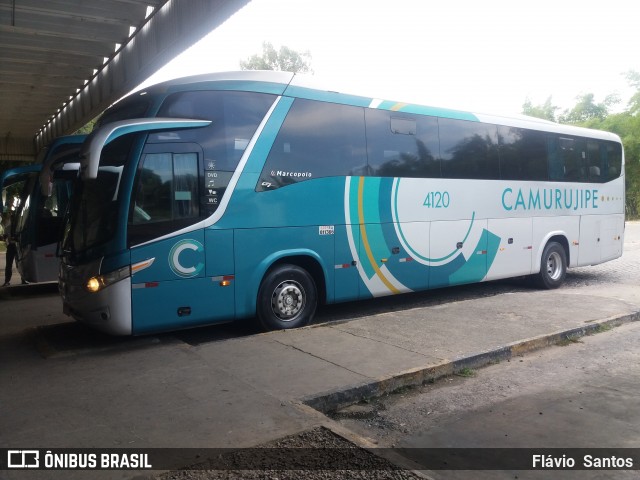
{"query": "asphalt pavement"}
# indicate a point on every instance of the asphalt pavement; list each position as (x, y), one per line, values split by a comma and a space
(62, 386)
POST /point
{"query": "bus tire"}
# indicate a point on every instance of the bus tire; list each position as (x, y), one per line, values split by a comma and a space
(553, 266)
(287, 298)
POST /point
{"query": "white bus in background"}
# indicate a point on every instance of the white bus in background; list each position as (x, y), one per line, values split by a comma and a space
(45, 189)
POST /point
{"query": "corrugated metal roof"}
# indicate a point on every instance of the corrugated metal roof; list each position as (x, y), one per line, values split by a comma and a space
(54, 51)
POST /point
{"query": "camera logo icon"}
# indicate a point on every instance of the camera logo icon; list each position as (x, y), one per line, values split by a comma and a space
(23, 459)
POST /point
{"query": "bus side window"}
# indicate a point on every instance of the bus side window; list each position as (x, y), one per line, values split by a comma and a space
(317, 139)
(234, 116)
(166, 195)
(51, 212)
(402, 146)
(523, 154)
(153, 198)
(594, 162)
(612, 161)
(573, 156)
(556, 166)
(469, 149)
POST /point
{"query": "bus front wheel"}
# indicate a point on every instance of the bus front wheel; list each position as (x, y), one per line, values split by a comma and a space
(553, 266)
(287, 298)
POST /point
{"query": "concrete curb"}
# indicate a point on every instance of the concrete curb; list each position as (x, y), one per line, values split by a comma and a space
(345, 396)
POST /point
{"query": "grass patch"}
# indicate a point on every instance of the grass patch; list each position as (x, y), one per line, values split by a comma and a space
(466, 372)
(602, 328)
(569, 340)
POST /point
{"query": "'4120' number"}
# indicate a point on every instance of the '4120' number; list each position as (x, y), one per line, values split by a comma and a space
(437, 200)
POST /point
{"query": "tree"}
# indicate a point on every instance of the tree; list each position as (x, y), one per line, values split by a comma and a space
(633, 78)
(285, 59)
(588, 113)
(546, 111)
(626, 125)
(87, 128)
(587, 110)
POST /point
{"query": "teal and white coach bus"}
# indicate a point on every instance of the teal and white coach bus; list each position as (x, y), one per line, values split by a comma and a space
(257, 194)
(44, 196)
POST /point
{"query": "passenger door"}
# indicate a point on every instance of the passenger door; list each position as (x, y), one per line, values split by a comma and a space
(170, 288)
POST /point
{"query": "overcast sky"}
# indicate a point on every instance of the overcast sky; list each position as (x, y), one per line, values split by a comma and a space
(485, 56)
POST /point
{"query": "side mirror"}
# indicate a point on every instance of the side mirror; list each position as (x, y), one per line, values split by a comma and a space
(95, 142)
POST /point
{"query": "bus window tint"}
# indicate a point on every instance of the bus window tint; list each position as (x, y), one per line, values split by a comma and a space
(556, 168)
(523, 154)
(185, 189)
(167, 195)
(568, 159)
(594, 161)
(575, 159)
(153, 200)
(53, 208)
(402, 146)
(167, 188)
(93, 217)
(468, 149)
(235, 117)
(98, 198)
(124, 110)
(317, 139)
(612, 161)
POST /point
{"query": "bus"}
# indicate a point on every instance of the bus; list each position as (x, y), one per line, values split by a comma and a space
(259, 195)
(12, 182)
(39, 216)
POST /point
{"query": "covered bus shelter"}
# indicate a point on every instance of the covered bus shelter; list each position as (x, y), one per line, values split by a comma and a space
(62, 62)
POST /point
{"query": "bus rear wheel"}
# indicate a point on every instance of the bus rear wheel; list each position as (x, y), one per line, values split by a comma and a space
(287, 298)
(553, 266)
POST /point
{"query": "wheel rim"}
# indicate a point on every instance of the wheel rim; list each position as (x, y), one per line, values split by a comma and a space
(288, 300)
(554, 266)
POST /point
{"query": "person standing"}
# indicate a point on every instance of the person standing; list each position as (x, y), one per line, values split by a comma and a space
(12, 249)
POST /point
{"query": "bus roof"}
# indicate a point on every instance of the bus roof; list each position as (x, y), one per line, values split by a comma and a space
(313, 88)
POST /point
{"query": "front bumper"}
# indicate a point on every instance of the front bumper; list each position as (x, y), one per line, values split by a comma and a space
(108, 310)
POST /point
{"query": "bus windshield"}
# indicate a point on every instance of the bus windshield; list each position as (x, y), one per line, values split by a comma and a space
(92, 218)
(211, 129)
(52, 206)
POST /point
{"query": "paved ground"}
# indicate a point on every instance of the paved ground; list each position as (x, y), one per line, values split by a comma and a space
(64, 386)
(581, 394)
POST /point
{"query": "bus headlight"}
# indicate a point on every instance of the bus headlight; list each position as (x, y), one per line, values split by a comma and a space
(95, 284)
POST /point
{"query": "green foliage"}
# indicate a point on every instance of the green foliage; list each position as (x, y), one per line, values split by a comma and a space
(586, 109)
(627, 126)
(546, 111)
(87, 128)
(634, 81)
(285, 59)
(588, 113)
(466, 372)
